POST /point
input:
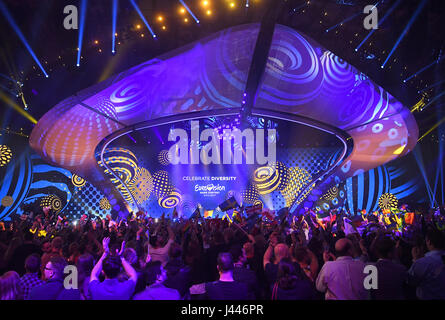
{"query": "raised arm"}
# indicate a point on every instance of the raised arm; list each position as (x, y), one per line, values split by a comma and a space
(132, 274)
(98, 267)
(268, 256)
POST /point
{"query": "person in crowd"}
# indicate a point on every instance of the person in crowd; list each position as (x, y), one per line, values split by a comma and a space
(85, 264)
(343, 278)
(307, 261)
(155, 275)
(427, 273)
(56, 251)
(392, 276)
(226, 288)
(111, 288)
(241, 273)
(290, 285)
(160, 244)
(272, 257)
(31, 278)
(178, 274)
(20, 254)
(54, 287)
(10, 288)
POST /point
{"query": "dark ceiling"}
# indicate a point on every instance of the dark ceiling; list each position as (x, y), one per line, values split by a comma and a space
(41, 22)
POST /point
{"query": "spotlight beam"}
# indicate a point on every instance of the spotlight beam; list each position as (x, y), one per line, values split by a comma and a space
(19, 33)
(419, 161)
(83, 9)
(422, 70)
(349, 18)
(8, 90)
(405, 31)
(431, 129)
(395, 5)
(189, 11)
(10, 103)
(433, 100)
(7, 77)
(113, 35)
(431, 86)
(441, 175)
(143, 18)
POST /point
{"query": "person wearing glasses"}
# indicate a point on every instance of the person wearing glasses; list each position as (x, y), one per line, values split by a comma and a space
(53, 288)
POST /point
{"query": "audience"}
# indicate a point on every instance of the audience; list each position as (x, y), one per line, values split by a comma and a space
(342, 278)
(141, 258)
(226, 288)
(31, 278)
(155, 275)
(53, 288)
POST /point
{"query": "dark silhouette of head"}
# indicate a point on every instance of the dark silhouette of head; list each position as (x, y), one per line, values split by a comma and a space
(32, 263)
(111, 267)
(225, 262)
(384, 248)
(435, 239)
(287, 274)
(344, 247)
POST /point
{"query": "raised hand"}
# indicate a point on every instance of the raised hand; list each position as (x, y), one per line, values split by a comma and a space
(105, 243)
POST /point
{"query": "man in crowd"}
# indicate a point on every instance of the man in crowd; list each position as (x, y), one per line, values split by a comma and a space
(428, 273)
(226, 288)
(31, 278)
(155, 275)
(342, 279)
(111, 288)
(53, 288)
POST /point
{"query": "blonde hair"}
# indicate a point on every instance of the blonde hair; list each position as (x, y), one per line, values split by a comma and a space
(10, 286)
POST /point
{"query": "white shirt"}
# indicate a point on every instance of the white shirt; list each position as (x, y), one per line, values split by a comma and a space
(160, 254)
(343, 280)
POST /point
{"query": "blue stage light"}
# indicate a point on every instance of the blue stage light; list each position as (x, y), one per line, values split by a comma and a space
(380, 22)
(143, 18)
(189, 11)
(113, 44)
(83, 13)
(405, 31)
(19, 33)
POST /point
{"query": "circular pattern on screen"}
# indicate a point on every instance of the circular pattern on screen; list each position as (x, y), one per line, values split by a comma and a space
(123, 162)
(294, 63)
(141, 186)
(298, 178)
(164, 157)
(78, 181)
(250, 195)
(52, 201)
(104, 204)
(339, 77)
(331, 194)
(7, 201)
(258, 202)
(266, 179)
(171, 200)
(161, 184)
(283, 174)
(5, 155)
(388, 201)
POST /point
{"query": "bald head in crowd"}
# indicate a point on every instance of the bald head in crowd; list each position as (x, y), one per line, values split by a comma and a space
(343, 247)
(281, 251)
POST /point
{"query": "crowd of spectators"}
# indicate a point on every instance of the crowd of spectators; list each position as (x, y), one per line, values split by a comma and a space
(293, 258)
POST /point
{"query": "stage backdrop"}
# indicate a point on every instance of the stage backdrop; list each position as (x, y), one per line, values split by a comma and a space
(29, 183)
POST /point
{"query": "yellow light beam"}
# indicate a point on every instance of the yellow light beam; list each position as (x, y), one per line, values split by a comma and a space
(9, 102)
(432, 128)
